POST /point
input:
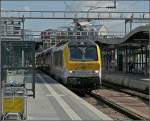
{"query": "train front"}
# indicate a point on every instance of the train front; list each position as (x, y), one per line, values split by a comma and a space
(83, 65)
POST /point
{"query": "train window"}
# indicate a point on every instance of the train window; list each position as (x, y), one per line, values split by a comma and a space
(75, 53)
(55, 59)
(58, 57)
(90, 53)
(61, 59)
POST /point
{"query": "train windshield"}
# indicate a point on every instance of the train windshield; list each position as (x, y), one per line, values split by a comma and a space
(83, 53)
(90, 53)
(75, 53)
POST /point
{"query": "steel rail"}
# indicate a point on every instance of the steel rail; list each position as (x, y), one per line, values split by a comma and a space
(117, 106)
(133, 92)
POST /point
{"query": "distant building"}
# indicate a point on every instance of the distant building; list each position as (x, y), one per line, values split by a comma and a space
(48, 38)
(87, 30)
(51, 37)
(100, 29)
(10, 29)
(81, 30)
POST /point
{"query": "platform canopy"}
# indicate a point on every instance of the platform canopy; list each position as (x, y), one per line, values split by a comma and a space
(137, 37)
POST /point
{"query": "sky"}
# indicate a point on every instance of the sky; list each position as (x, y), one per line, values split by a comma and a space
(41, 25)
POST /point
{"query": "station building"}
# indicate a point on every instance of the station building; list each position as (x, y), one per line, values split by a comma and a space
(131, 55)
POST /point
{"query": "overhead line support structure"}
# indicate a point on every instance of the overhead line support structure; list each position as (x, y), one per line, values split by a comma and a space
(73, 0)
(93, 15)
(145, 19)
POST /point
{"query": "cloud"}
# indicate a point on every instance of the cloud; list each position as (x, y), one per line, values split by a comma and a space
(95, 4)
(86, 5)
(121, 6)
(27, 8)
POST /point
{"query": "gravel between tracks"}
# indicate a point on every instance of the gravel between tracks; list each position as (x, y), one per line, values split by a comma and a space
(114, 114)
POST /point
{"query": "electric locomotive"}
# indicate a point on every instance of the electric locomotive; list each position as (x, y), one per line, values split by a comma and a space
(77, 64)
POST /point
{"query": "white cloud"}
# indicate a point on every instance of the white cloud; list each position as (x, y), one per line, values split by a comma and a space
(121, 6)
(94, 4)
(86, 5)
(27, 8)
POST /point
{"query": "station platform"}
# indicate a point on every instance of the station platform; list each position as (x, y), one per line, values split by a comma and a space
(136, 81)
(53, 101)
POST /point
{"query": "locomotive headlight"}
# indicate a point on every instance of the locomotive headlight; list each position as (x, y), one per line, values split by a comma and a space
(70, 72)
(96, 71)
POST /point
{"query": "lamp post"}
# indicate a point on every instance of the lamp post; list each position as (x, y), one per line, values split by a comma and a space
(0, 8)
(0, 53)
(0, 69)
(23, 37)
(149, 50)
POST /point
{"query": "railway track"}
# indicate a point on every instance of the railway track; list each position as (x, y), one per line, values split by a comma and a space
(103, 107)
(121, 103)
(132, 106)
(129, 91)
